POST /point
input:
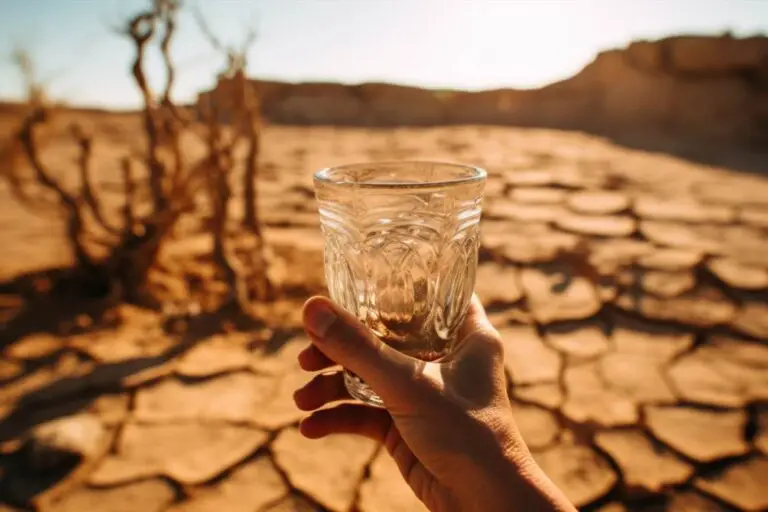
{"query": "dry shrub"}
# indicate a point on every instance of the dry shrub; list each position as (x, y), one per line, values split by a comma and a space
(116, 249)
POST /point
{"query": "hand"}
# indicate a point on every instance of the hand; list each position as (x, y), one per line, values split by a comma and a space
(448, 425)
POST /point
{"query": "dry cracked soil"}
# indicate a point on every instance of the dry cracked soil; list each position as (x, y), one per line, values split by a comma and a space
(639, 378)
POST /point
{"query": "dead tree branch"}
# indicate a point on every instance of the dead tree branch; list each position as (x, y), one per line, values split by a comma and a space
(221, 161)
(247, 113)
(245, 109)
(32, 85)
(12, 158)
(129, 195)
(250, 38)
(88, 194)
(141, 29)
(252, 129)
(118, 249)
(68, 202)
(202, 25)
(165, 51)
(236, 56)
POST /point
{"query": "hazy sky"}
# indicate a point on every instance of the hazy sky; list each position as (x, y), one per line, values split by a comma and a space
(470, 44)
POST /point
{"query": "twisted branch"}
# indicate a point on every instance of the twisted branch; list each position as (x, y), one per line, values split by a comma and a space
(10, 158)
(205, 29)
(129, 191)
(140, 29)
(71, 204)
(165, 51)
(88, 195)
(251, 172)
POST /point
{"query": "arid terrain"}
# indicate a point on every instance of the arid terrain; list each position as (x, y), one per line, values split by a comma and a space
(631, 289)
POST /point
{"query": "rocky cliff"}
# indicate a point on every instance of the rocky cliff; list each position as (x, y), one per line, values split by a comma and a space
(707, 88)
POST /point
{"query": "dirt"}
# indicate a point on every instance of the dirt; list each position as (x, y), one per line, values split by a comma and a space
(222, 412)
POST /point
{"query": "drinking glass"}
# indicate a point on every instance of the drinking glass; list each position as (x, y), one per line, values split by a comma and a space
(401, 244)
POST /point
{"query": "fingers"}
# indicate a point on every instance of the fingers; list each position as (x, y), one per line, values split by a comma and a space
(400, 452)
(358, 419)
(321, 390)
(345, 340)
(312, 360)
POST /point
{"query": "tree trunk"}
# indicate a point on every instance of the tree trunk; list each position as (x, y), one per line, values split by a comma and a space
(222, 258)
(250, 176)
(132, 260)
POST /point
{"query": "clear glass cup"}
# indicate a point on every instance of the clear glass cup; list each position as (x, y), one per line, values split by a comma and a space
(401, 245)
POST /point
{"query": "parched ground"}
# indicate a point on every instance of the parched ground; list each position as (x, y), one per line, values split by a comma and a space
(640, 380)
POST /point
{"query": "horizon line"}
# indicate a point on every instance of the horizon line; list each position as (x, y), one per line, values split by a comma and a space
(433, 87)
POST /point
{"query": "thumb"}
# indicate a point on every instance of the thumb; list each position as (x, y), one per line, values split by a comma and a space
(343, 338)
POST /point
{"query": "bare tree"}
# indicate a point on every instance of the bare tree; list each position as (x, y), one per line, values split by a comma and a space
(118, 248)
(245, 110)
(120, 254)
(220, 163)
(251, 122)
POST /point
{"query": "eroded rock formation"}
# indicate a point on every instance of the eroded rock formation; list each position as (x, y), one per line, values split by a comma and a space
(707, 88)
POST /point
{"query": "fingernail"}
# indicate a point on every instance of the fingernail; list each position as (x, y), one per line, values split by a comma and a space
(320, 318)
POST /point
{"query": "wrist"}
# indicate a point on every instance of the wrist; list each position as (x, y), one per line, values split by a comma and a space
(524, 486)
(514, 481)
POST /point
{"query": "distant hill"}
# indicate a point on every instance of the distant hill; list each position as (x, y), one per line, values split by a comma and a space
(707, 88)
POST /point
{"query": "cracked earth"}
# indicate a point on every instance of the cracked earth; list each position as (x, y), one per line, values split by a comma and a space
(630, 288)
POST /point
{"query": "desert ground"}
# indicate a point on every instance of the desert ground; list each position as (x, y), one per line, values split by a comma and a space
(639, 379)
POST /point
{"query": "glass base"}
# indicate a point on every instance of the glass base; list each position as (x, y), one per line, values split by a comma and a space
(360, 390)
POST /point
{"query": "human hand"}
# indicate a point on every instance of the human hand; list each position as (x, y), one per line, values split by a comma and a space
(448, 424)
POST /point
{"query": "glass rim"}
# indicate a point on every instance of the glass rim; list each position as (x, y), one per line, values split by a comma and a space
(476, 174)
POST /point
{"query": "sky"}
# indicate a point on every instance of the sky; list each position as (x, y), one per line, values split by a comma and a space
(462, 44)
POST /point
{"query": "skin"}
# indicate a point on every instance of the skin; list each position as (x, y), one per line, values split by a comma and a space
(448, 424)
